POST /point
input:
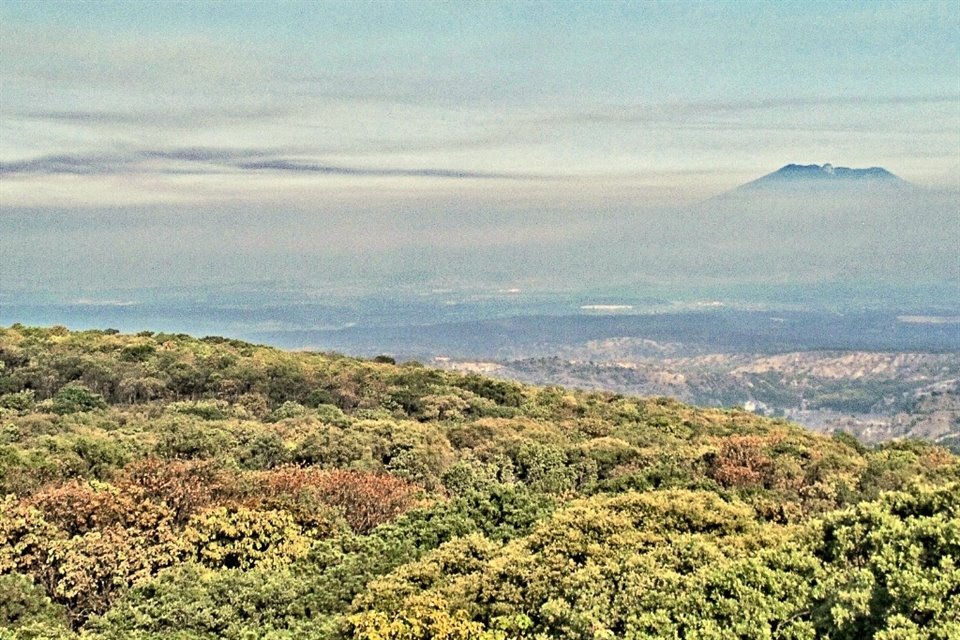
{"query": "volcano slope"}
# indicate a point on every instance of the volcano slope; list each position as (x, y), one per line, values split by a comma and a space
(162, 486)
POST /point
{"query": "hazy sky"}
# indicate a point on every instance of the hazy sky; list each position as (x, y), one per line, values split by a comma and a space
(145, 143)
(107, 103)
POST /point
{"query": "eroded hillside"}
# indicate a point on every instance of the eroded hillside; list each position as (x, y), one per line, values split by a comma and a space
(875, 396)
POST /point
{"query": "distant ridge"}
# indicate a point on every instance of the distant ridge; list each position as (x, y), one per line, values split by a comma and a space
(815, 175)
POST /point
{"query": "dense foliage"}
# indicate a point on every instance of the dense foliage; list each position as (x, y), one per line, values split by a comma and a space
(161, 486)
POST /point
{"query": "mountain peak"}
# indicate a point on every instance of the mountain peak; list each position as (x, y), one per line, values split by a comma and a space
(800, 175)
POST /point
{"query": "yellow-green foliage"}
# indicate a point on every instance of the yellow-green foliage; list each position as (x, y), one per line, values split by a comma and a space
(162, 486)
(239, 538)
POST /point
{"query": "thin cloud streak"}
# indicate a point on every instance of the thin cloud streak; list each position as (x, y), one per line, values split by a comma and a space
(667, 112)
(215, 161)
(305, 167)
(188, 119)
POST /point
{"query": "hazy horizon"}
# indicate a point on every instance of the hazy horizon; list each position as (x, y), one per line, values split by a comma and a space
(403, 146)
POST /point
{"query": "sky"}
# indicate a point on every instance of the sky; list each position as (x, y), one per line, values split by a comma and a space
(110, 102)
(469, 116)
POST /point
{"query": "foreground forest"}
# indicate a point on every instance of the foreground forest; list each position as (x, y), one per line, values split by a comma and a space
(162, 486)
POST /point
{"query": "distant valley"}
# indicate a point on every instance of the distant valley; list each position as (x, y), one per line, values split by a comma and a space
(872, 374)
(875, 396)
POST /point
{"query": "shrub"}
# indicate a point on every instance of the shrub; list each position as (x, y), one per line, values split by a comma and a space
(19, 401)
(367, 499)
(288, 409)
(240, 538)
(206, 409)
(24, 603)
(182, 486)
(76, 398)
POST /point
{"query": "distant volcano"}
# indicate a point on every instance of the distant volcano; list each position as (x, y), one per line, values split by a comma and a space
(833, 224)
(825, 175)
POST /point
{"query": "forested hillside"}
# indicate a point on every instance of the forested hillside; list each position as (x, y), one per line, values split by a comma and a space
(162, 486)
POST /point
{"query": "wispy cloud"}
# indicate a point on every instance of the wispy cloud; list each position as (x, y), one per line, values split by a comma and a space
(671, 112)
(206, 161)
(57, 164)
(202, 155)
(309, 167)
(217, 161)
(178, 118)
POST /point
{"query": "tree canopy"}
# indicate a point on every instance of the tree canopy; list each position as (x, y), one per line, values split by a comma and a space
(163, 486)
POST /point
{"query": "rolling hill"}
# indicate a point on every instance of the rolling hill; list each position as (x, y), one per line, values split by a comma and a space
(163, 486)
